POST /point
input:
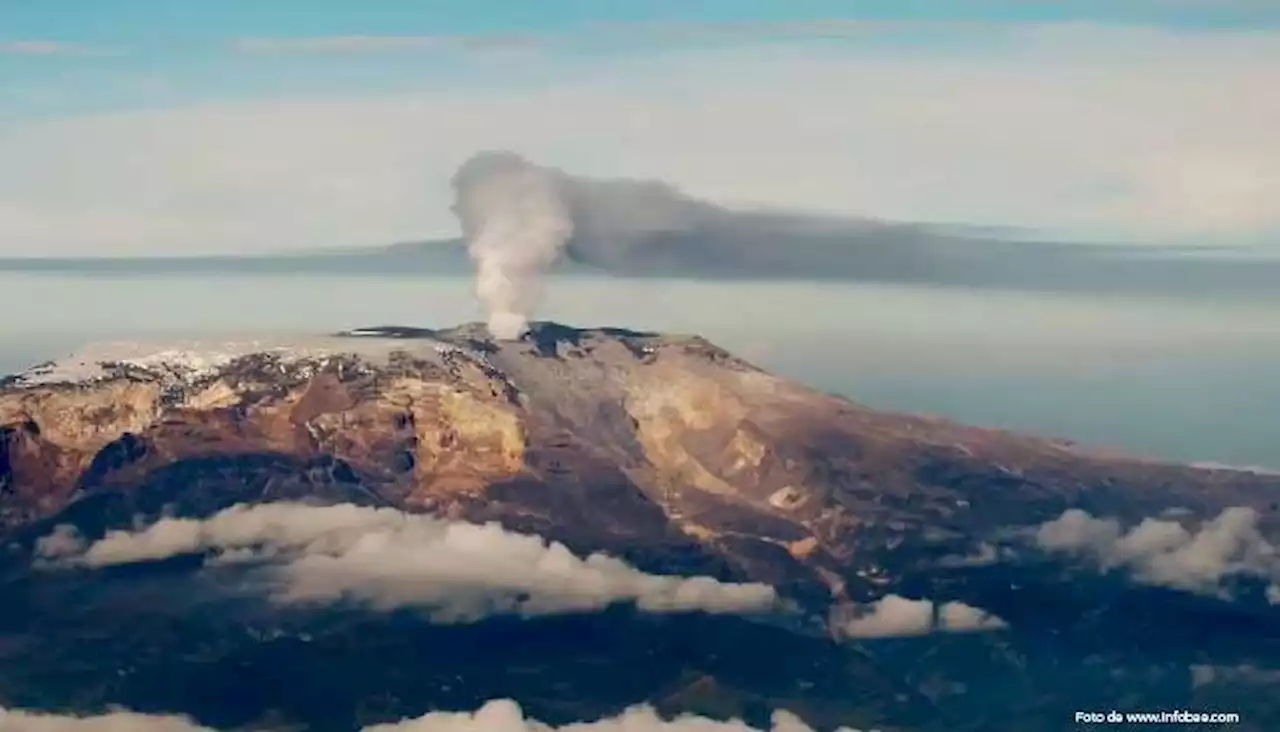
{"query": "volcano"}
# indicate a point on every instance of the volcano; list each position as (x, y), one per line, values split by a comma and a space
(661, 450)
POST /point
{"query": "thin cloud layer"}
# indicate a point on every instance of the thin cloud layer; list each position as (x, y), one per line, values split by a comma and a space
(501, 715)
(387, 559)
(335, 44)
(894, 616)
(1164, 553)
(1075, 128)
(615, 32)
(41, 47)
(359, 44)
(1255, 469)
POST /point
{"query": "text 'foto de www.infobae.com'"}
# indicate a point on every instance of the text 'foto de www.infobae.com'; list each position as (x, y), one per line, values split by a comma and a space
(1176, 716)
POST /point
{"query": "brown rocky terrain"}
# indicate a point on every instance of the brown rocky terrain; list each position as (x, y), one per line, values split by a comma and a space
(664, 449)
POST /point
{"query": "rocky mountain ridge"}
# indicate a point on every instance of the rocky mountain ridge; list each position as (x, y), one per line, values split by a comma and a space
(664, 449)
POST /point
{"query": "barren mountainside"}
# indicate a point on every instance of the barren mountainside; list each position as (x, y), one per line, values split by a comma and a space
(664, 449)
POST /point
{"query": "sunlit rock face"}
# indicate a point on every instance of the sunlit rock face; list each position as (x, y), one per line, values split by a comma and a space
(923, 570)
(664, 446)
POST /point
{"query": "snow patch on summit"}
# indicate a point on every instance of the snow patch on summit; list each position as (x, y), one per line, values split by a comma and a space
(189, 361)
(1255, 469)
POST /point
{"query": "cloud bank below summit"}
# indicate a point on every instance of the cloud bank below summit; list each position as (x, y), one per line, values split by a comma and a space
(17, 720)
(1165, 553)
(499, 715)
(386, 559)
(894, 616)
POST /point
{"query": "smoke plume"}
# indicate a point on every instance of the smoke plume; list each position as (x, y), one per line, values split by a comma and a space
(516, 225)
(519, 218)
(387, 560)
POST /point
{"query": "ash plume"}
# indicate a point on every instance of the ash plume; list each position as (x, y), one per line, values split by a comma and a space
(519, 219)
(515, 224)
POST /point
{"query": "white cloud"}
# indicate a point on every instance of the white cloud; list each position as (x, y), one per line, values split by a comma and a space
(894, 616)
(351, 43)
(65, 541)
(1072, 128)
(500, 715)
(360, 44)
(21, 721)
(1255, 469)
(986, 554)
(957, 617)
(593, 34)
(506, 716)
(1165, 553)
(387, 559)
(40, 47)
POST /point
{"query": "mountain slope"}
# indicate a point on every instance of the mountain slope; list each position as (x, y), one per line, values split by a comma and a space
(662, 450)
(598, 437)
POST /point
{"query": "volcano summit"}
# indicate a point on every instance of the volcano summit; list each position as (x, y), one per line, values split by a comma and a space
(853, 540)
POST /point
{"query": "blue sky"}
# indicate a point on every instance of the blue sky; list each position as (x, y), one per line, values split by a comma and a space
(149, 21)
(144, 125)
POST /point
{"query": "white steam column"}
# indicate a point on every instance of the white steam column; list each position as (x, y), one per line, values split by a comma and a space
(516, 224)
